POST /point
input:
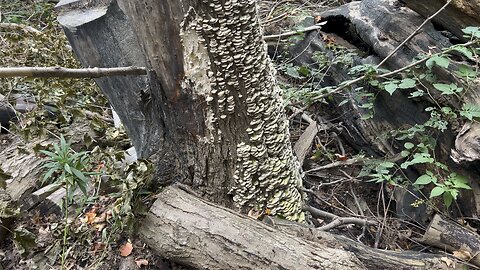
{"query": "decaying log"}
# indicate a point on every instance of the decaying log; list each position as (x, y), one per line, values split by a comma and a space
(458, 15)
(20, 162)
(375, 28)
(450, 236)
(191, 231)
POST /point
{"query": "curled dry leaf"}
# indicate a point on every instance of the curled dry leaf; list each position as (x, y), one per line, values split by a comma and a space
(462, 255)
(447, 261)
(126, 248)
(254, 214)
(90, 217)
(141, 262)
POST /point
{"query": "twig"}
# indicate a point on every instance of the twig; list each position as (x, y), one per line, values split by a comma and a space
(61, 72)
(24, 28)
(336, 220)
(414, 33)
(291, 33)
(336, 164)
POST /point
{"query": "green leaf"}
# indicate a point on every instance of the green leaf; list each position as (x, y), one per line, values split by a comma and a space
(49, 174)
(447, 199)
(470, 111)
(304, 71)
(67, 168)
(408, 145)
(79, 174)
(438, 60)
(436, 191)
(405, 153)
(463, 50)
(466, 72)
(407, 83)
(424, 180)
(293, 72)
(390, 88)
(447, 89)
(472, 31)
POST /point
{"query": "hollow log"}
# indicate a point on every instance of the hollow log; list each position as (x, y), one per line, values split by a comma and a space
(197, 233)
(375, 28)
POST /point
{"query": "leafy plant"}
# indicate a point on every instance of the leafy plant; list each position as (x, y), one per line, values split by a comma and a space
(68, 169)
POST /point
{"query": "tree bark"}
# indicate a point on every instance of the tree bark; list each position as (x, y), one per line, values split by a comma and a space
(212, 114)
(458, 15)
(375, 28)
(191, 231)
(448, 235)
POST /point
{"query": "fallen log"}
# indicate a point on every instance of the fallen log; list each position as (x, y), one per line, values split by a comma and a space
(457, 15)
(450, 236)
(375, 28)
(188, 230)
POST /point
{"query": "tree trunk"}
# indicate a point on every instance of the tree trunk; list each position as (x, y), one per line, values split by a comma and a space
(211, 114)
(191, 231)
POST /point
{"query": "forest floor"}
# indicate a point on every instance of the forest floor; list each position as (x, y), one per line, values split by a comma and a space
(96, 231)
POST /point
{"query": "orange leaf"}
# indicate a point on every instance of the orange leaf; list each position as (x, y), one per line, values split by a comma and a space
(341, 157)
(90, 217)
(126, 249)
(141, 262)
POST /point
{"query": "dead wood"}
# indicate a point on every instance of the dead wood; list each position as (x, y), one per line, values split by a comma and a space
(60, 72)
(458, 15)
(191, 231)
(448, 235)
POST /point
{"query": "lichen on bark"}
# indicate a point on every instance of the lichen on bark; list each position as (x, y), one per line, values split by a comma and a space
(243, 92)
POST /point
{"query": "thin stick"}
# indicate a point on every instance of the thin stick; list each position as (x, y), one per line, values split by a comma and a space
(61, 72)
(414, 33)
(291, 33)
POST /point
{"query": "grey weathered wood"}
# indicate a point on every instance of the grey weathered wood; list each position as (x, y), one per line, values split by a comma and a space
(450, 236)
(303, 145)
(458, 15)
(191, 231)
(375, 28)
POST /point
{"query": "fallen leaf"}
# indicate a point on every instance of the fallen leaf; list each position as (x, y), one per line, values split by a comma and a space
(126, 249)
(99, 226)
(254, 214)
(90, 217)
(462, 254)
(141, 262)
(341, 157)
(98, 246)
(447, 261)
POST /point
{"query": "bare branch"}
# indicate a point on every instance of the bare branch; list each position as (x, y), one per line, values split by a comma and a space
(61, 72)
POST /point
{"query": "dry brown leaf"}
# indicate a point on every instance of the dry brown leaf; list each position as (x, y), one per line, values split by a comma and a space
(126, 249)
(254, 214)
(462, 254)
(141, 262)
(447, 261)
(100, 226)
(90, 217)
(98, 246)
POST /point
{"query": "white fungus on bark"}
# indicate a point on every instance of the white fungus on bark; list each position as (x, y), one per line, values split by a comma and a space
(242, 83)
